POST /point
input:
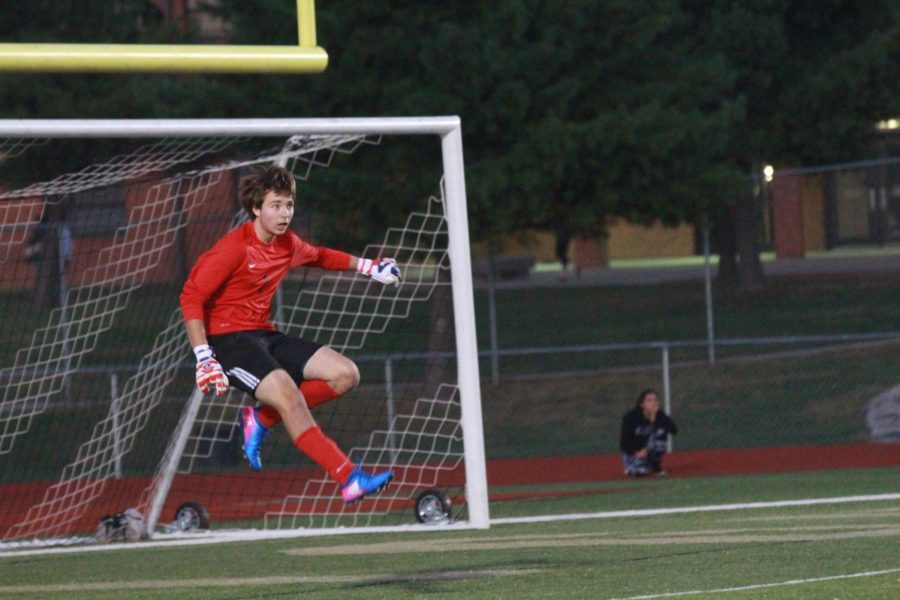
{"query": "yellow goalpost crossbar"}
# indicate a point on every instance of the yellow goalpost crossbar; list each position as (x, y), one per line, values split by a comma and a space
(306, 57)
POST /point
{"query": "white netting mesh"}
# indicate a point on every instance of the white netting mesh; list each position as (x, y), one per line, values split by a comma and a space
(85, 479)
(342, 309)
(156, 157)
(72, 330)
(13, 147)
(420, 446)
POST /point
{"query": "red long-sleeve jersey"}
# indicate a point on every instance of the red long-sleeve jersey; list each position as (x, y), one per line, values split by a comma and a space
(231, 286)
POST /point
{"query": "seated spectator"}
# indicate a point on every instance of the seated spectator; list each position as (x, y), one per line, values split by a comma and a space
(644, 436)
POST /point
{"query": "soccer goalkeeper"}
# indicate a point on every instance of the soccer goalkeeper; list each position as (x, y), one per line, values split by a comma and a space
(226, 303)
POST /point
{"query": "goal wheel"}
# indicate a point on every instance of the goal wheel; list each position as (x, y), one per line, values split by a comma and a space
(432, 506)
(190, 516)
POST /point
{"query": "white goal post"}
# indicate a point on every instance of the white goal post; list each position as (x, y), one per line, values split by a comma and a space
(152, 199)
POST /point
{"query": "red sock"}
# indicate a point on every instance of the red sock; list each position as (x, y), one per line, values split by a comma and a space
(316, 392)
(324, 453)
(268, 416)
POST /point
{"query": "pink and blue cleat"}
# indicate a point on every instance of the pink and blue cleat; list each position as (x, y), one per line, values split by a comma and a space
(360, 484)
(254, 435)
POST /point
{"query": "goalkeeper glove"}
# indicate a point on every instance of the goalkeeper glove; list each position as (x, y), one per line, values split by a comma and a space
(382, 270)
(210, 375)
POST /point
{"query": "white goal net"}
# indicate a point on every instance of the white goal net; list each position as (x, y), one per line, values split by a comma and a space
(101, 222)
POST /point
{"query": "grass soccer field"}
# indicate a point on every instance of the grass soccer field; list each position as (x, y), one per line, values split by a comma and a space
(692, 539)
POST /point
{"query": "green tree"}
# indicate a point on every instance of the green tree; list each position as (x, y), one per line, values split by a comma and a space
(78, 95)
(573, 111)
(812, 79)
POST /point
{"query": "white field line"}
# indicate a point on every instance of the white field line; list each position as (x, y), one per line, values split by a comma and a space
(519, 542)
(13, 549)
(760, 586)
(221, 536)
(158, 584)
(695, 509)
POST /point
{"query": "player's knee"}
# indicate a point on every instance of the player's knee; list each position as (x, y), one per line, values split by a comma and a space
(347, 378)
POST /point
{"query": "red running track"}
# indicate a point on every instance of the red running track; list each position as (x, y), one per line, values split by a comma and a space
(213, 490)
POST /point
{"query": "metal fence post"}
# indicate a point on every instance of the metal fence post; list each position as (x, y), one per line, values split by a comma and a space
(667, 390)
(117, 436)
(492, 323)
(707, 281)
(389, 397)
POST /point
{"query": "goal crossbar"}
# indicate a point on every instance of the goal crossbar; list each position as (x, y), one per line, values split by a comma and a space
(173, 128)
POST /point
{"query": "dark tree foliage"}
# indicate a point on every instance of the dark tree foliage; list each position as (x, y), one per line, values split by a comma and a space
(50, 95)
(812, 79)
(573, 112)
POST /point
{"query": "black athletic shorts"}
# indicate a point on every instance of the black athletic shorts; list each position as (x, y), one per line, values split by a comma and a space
(248, 356)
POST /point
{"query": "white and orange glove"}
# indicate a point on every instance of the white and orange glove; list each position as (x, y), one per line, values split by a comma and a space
(210, 376)
(382, 270)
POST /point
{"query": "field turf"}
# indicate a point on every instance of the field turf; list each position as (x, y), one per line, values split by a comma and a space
(841, 549)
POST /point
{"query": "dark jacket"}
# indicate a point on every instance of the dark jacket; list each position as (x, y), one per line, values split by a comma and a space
(637, 430)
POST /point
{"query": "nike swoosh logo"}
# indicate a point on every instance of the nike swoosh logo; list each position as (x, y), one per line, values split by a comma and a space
(251, 266)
